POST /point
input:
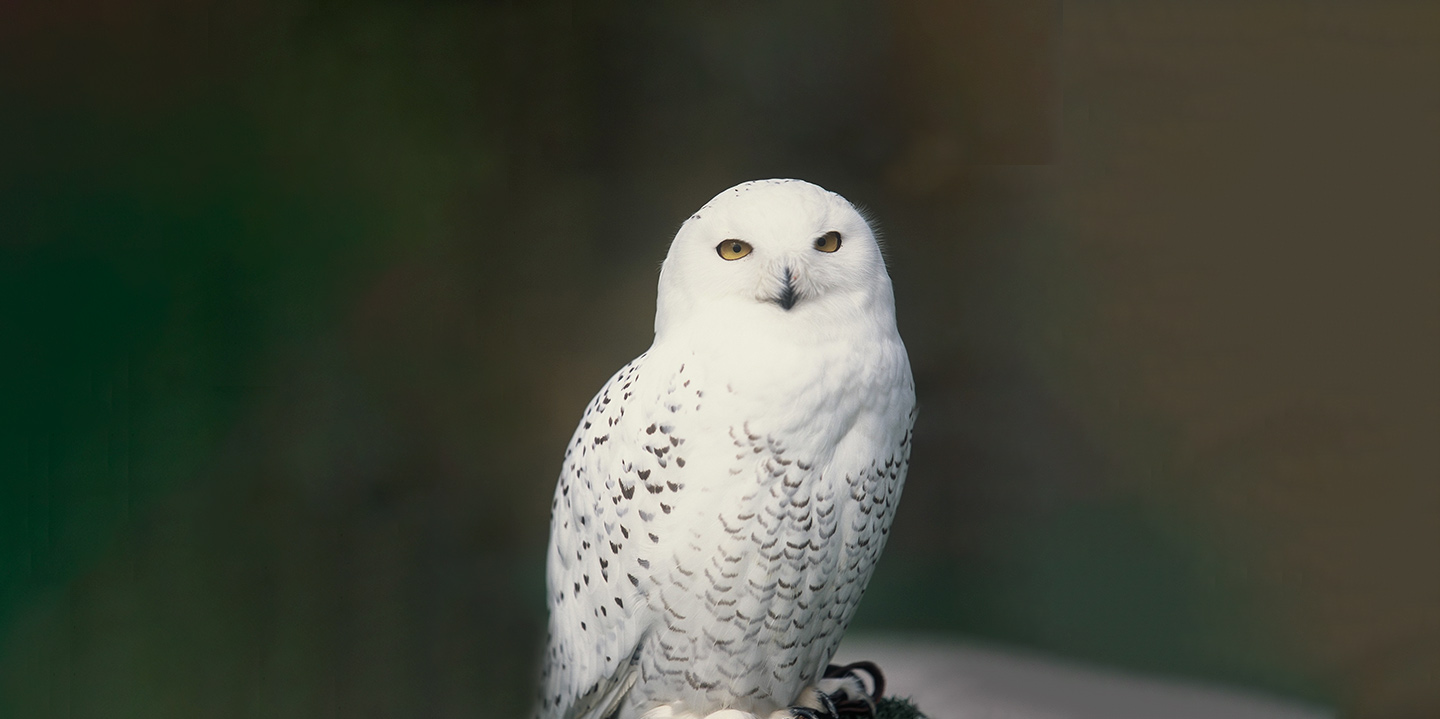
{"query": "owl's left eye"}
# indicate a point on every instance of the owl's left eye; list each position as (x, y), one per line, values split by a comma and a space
(733, 249)
(828, 242)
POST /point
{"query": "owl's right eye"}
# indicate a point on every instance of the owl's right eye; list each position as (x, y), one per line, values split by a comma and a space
(733, 249)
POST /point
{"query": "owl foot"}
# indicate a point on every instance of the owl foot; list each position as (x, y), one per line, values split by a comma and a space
(812, 704)
(843, 686)
(803, 713)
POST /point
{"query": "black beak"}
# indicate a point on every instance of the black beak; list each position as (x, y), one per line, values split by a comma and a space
(787, 296)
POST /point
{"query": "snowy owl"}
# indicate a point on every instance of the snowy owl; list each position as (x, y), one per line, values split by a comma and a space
(727, 494)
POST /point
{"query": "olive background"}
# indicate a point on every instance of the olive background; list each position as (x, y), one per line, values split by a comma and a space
(300, 300)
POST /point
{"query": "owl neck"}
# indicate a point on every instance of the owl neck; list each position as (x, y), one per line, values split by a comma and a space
(790, 366)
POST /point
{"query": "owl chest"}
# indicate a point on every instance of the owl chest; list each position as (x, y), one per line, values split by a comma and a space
(767, 538)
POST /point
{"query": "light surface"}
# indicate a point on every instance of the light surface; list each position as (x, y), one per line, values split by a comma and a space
(964, 681)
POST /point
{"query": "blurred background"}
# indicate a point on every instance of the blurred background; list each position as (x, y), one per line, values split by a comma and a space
(300, 300)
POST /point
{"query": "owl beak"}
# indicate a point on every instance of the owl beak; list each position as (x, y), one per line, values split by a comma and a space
(788, 296)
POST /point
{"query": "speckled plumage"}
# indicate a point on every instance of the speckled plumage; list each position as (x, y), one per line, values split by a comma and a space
(727, 493)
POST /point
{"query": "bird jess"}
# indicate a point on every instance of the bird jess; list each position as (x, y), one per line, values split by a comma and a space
(727, 493)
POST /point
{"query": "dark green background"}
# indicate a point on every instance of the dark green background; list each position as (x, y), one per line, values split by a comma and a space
(300, 300)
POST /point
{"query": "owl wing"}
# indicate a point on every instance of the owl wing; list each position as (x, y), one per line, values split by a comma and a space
(603, 520)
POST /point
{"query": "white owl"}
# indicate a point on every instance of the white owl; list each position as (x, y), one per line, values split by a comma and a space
(727, 494)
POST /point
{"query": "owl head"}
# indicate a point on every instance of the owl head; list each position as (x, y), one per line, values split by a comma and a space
(773, 251)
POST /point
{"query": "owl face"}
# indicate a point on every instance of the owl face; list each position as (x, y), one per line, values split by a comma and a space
(771, 249)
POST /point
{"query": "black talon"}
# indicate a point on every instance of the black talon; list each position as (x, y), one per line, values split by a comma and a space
(877, 678)
(829, 705)
(827, 712)
(858, 707)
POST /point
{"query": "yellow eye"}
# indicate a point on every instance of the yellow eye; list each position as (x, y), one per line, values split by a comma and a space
(733, 249)
(828, 242)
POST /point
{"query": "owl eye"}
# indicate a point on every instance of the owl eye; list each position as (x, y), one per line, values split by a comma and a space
(828, 242)
(733, 249)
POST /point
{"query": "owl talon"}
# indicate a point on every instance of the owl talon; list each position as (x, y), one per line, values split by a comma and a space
(816, 706)
(847, 690)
